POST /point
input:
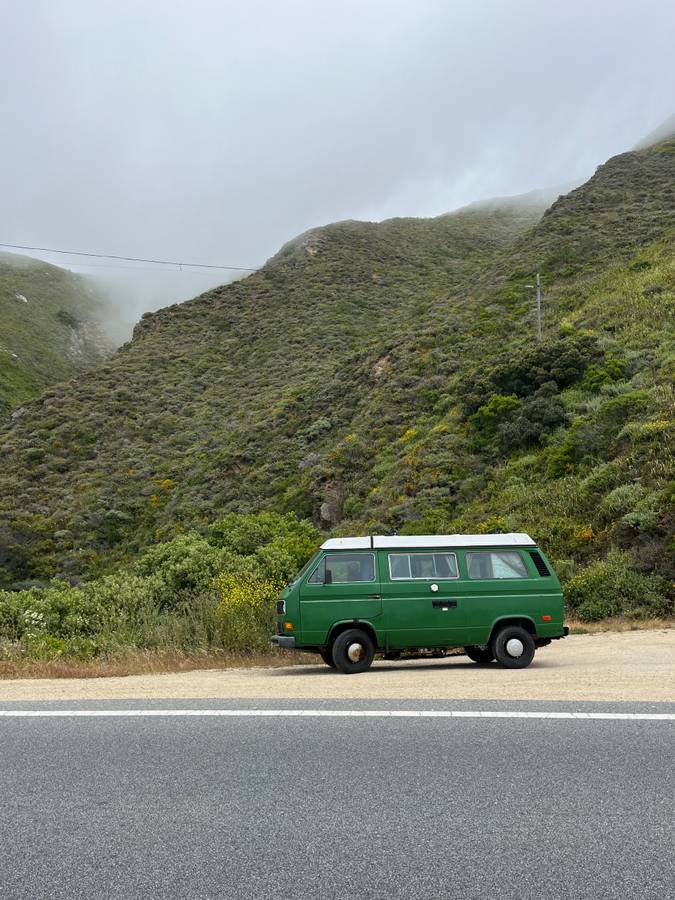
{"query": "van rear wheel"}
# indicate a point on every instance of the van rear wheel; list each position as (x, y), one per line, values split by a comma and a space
(353, 651)
(513, 647)
(327, 657)
(479, 654)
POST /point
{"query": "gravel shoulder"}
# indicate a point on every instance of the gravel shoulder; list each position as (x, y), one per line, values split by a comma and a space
(628, 666)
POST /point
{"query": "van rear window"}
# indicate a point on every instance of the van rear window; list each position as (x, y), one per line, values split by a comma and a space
(539, 563)
(495, 564)
(418, 566)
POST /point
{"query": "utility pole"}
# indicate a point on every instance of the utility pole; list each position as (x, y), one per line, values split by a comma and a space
(537, 285)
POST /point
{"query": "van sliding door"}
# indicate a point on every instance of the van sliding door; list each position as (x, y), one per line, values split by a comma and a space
(420, 598)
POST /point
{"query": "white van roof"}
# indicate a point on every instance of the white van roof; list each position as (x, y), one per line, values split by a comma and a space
(381, 542)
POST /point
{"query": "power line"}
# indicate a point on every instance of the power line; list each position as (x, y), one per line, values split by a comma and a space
(182, 271)
(158, 262)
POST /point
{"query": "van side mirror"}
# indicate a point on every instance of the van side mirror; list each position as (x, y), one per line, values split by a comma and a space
(328, 577)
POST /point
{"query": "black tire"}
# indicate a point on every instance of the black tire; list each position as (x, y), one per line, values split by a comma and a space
(327, 658)
(505, 655)
(479, 655)
(349, 644)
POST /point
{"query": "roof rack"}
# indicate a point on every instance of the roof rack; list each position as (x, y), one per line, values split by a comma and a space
(383, 542)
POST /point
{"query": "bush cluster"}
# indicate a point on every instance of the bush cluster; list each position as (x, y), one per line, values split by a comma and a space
(508, 423)
(612, 587)
(188, 594)
(560, 362)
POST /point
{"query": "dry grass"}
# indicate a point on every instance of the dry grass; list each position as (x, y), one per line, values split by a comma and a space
(618, 624)
(146, 662)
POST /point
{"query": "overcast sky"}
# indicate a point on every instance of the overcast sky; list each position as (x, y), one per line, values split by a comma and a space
(214, 131)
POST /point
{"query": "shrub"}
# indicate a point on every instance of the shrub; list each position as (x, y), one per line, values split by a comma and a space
(621, 500)
(486, 420)
(54, 621)
(188, 563)
(562, 458)
(600, 480)
(561, 361)
(542, 413)
(613, 587)
(246, 534)
(599, 436)
(596, 376)
(245, 612)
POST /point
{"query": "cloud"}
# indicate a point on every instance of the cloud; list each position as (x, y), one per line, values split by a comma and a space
(215, 131)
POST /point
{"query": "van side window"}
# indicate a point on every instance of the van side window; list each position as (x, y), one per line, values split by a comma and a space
(344, 568)
(495, 564)
(420, 566)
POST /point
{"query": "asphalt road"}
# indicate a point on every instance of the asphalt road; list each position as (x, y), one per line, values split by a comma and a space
(324, 807)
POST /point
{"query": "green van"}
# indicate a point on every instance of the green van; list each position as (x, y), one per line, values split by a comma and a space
(495, 595)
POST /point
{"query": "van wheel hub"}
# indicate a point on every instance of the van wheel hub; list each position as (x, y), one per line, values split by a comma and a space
(514, 647)
(356, 652)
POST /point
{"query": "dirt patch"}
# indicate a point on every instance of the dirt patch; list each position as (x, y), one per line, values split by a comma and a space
(631, 666)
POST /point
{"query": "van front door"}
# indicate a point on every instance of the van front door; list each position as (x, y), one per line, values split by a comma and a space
(420, 599)
(342, 587)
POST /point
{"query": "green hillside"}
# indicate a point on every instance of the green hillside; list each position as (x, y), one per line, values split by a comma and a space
(378, 377)
(50, 328)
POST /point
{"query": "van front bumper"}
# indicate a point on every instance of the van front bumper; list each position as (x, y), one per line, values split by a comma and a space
(286, 642)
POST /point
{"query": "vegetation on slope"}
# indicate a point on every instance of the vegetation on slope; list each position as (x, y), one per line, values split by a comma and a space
(386, 377)
(50, 328)
(219, 403)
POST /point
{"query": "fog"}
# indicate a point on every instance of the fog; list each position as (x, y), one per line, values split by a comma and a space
(215, 131)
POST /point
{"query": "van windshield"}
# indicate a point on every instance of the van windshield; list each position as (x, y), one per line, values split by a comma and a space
(302, 571)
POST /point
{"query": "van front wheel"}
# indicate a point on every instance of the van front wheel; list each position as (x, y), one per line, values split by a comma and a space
(353, 651)
(327, 657)
(513, 647)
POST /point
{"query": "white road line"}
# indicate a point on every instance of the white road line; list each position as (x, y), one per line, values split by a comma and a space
(331, 714)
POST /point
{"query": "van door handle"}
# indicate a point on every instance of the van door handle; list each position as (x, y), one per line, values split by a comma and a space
(444, 604)
(374, 596)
